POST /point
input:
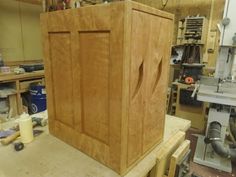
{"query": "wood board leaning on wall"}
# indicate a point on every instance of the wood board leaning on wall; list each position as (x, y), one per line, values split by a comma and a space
(20, 37)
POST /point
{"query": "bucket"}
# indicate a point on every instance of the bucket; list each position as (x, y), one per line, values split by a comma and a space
(38, 98)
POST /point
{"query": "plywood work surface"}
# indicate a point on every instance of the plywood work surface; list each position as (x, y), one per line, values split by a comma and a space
(48, 156)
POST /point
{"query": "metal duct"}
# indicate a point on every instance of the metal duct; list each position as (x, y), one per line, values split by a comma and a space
(214, 135)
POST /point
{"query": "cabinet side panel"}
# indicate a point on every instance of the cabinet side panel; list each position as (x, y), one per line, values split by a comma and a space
(95, 83)
(60, 56)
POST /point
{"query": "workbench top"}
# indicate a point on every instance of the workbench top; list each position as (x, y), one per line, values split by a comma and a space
(13, 76)
(48, 156)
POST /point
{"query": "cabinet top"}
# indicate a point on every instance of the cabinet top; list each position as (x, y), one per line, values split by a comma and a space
(128, 4)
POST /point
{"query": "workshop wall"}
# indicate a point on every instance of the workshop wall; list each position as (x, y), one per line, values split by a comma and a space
(212, 9)
(20, 31)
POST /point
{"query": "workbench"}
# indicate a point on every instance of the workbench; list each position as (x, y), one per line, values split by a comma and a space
(196, 114)
(19, 83)
(48, 156)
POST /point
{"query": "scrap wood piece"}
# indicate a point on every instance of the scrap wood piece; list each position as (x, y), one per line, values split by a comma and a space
(165, 153)
(178, 156)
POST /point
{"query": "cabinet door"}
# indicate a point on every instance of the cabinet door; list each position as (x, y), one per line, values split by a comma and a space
(150, 52)
(139, 37)
(85, 70)
(157, 79)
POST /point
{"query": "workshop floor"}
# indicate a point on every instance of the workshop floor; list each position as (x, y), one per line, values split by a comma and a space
(201, 170)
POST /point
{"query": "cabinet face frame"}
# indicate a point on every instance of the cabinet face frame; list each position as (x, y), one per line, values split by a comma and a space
(107, 64)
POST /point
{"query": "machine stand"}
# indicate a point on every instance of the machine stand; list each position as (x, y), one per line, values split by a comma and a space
(211, 159)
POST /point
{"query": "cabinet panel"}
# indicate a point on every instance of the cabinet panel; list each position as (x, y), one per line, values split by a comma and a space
(95, 62)
(61, 64)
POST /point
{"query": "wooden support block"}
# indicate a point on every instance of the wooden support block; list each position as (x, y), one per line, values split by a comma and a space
(13, 105)
(177, 156)
(165, 153)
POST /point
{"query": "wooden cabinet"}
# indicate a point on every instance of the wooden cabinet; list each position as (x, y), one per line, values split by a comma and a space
(106, 77)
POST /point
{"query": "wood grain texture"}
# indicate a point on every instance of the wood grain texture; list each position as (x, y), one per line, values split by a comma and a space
(95, 71)
(157, 80)
(62, 71)
(125, 83)
(137, 87)
(147, 81)
(108, 88)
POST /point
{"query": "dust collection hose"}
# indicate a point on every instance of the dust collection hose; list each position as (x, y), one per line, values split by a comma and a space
(214, 135)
